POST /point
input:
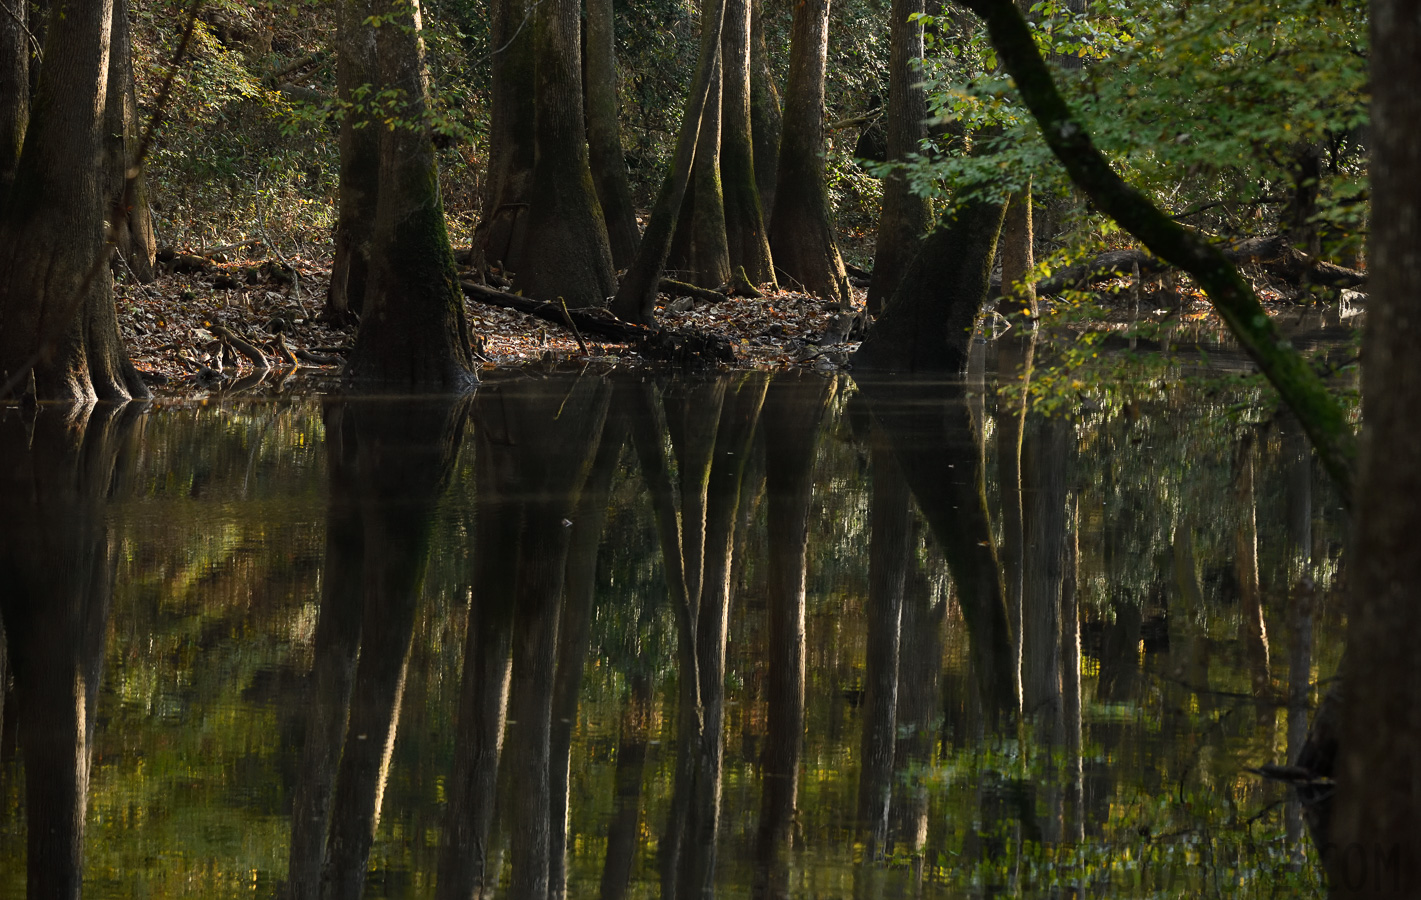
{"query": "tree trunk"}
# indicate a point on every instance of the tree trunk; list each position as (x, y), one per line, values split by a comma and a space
(745, 233)
(765, 119)
(359, 161)
(134, 240)
(801, 234)
(500, 235)
(905, 217)
(566, 254)
(413, 331)
(622, 831)
(698, 248)
(1043, 474)
(927, 326)
(1379, 773)
(1018, 256)
(636, 297)
(56, 292)
(14, 90)
(604, 135)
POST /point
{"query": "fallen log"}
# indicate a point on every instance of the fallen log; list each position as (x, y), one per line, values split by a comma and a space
(683, 289)
(242, 346)
(598, 322)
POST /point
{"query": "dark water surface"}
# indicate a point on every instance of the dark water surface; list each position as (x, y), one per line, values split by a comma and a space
(759, 635)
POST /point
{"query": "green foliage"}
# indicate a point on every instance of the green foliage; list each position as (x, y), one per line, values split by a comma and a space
(1213, 107)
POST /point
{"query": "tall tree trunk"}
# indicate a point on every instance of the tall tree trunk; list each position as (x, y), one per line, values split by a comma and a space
(1379, 772)
(698, 248)
(604, 135)
(1018, 255)
(636, 297)
(801, 232)
(56, 293)
(566, 255)
(905, 217)
(134, 240)
(413, 330)
(1252, 627)
(1015, 356)
(765, 119)
(359, 189)
(500, 235)
(745, 232)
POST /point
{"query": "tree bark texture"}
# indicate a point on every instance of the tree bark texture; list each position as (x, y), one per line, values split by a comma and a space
(134, 239)
(501, 233)
(14, 90)
(1301, 388)
(57, 318)
(1380, 767)
(604, 135)
(905, 217)
(636, 297)
(359, 188)
(566, 254)
(413, 330)
(765, 118)
(1018, 255)
(745, 232)
(927, 325)
(801, 231)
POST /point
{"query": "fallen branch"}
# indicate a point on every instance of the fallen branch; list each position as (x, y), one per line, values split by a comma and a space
(682, 289)
(596, 322)
(242, 346)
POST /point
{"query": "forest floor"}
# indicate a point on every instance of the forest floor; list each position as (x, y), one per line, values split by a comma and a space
(172, 325)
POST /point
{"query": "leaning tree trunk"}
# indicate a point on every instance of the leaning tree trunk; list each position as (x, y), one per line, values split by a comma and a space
(604, 135)
(765, 120)
(636, 298)
(905, 216)
(745, 234)
(133, 223)
(1379, 772)
(566, 256)
(359, 162)
(414, 330)
(801, 236)
(56, 292)
(698, 249)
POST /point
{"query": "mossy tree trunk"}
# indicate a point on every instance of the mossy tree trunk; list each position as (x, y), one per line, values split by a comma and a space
(57, 319)
(746, 236)
(413, 331)
(1321, 415)
(566, 254)
(604, 136)
(801, 234)
(14, 90)
(1379, 772)
(359, 160)
(905, 216)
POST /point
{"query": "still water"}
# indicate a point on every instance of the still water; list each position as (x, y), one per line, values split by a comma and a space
(626, 636)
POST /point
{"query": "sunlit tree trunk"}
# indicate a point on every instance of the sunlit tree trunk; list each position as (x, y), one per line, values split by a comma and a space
(500, 234)
(134, 240)
(413, 329)
(56, 292)
(765, 118)
(699, 251)
(801, 230)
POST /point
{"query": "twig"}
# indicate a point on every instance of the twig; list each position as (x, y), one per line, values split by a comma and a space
(582, 345)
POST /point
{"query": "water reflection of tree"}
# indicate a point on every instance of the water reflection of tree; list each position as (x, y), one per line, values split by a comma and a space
(59, 466)
(390, 460)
